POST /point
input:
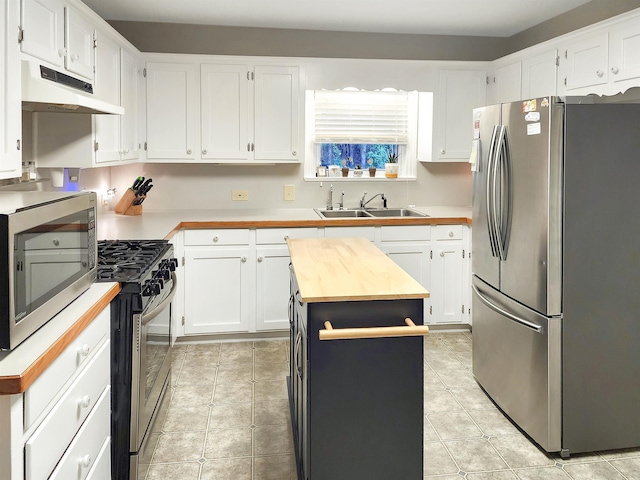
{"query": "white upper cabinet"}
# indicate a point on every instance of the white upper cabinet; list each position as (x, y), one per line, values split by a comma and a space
(225, 111)
(459, 92)
(172, 111)
(276, 113)
(10, 104)
(130, 99)
(245, 113)
(80, 44)
(107, 87)
(42, 23)
(504, 84)
(58, 34)
(539, 75)
(586, 61)
(624, 51)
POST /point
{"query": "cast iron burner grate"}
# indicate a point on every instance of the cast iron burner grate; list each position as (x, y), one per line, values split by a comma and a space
(127, 260)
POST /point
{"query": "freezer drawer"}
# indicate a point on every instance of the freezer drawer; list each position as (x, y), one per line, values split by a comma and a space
(517, 360)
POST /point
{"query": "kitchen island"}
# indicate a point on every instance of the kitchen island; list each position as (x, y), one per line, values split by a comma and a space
(356, 380)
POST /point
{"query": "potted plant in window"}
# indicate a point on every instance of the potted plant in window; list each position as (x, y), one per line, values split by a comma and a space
(372, 169)
(345, 169)
(391, 167)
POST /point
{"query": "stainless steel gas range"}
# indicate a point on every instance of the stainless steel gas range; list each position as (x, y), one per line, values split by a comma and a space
(140, 353)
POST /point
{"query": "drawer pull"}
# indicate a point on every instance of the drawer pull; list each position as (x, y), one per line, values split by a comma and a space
(85, 462)
(84, 402)
(411, 330)
(215, 239)
(84, 350)
(451, 234)
(56, 242)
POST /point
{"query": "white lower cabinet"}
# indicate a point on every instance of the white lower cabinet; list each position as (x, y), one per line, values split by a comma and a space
(59, 427)
(237, 280)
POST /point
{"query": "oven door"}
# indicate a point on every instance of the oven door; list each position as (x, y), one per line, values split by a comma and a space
(151, 361)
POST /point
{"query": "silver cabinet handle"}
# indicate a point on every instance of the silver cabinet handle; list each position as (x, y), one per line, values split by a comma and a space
(260, 259)
(215, 239)
(451, 234)
(286, 237)
(294, 153)
(188, 151)
(614, 70)
(253, 147)
(204, 152)
(248, 147)
(56, 242)
(442, 150)
(243, 259)
(599, 73)
(442, 254)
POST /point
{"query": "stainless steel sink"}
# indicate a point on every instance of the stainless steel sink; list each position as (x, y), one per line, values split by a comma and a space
(395, 212)
(343, 213)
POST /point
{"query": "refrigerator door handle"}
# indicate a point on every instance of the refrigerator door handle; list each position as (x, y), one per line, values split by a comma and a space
(494, 307)
(491, 179)
(503, 222)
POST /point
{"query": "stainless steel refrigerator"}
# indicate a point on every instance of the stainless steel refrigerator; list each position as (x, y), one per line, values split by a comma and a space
(556, 269)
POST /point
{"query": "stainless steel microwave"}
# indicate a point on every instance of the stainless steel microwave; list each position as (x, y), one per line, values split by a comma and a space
(48, 247)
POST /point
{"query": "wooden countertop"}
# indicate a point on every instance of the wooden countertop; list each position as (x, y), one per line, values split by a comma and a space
(20, 367)
(164, 224)
(346, 269)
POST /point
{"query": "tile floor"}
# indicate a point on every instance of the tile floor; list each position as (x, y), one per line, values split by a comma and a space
(229, 420)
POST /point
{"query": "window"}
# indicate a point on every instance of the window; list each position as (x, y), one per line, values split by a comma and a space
(356, 130)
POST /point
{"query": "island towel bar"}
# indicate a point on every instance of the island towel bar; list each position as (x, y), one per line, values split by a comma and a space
(411, 330)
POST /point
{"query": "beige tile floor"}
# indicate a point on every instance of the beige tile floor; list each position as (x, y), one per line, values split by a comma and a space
(229, 420)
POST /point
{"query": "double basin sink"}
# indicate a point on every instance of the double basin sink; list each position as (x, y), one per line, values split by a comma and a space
(370, 213)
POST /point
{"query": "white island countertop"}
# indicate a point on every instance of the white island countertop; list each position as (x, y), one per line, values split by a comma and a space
(163, 224)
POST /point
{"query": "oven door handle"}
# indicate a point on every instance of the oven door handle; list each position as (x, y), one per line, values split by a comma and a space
(146, 318)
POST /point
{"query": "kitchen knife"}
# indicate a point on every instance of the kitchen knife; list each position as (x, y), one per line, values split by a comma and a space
(137, 183)
(145, 189)
(138, 201)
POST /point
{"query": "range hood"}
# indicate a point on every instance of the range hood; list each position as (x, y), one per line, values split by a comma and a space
(48, 90)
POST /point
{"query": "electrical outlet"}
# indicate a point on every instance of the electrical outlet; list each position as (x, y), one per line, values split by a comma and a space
(289, 192)
(239, 195)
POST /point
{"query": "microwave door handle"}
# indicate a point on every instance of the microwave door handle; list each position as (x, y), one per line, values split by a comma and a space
(147, 317)
(503, 312)
(489, 191)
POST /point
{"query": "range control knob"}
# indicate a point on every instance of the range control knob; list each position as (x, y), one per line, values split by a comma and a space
(164, 273)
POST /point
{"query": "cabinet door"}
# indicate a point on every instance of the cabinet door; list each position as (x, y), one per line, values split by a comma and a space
(107, 87)
(217, 290)
(624, 48)
(130, 140)
(43, 26)
(80, 51)
(539, 75)
(587, 62)
(413, 259)
(505, 84)
(276, 113)
(224, 106)
(272, 286)
(10, 104)
(459, 92)
(446, 283)
(172, 111)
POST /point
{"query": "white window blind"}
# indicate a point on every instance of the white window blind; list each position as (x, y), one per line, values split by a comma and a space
(361, 117)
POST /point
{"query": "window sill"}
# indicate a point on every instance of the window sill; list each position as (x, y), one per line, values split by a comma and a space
(352, 179)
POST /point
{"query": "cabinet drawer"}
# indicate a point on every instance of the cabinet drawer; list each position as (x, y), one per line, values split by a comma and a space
(280, 235)
(53, 435)
(72, 358)
(85, 447)
(102, 466)
(216, 237)
(408, 233)
(448, 232)
(350, 232)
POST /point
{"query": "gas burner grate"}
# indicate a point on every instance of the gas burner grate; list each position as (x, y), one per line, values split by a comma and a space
(127, 260)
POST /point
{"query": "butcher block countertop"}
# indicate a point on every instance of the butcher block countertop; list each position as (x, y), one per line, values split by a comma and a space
(164, 224)
(20, 367)
(348, 269)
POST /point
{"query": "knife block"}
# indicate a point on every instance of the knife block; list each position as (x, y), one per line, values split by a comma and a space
(125, 204)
